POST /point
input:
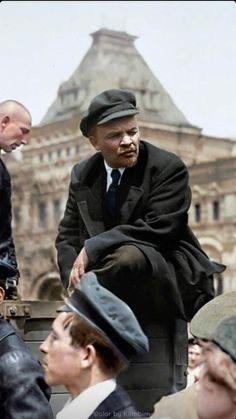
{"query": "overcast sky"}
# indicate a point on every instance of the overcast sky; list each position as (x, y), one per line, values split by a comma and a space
(189, 45)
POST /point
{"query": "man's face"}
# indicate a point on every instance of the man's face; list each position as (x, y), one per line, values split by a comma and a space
(194, 355)
(214, 399)
(14, 131)
(118, 141)
(61, 360)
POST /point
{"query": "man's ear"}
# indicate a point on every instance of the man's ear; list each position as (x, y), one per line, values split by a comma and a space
(87, 356)
(5, 120)
(2, 295)
(93, 141)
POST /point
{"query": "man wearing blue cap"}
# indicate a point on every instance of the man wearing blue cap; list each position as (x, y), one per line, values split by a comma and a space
(92, 340)
(126, 219)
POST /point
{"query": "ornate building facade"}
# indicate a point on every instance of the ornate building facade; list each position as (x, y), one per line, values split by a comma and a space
(40, 180)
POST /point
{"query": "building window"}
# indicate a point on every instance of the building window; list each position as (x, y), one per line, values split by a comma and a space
(197, 209)
(68, 151)
(42, 214)
(50, 156)
(216, 210)
(59, 154)
(56, 210)
(17, 215)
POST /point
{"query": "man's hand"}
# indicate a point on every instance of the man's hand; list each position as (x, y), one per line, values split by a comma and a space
(79, 268)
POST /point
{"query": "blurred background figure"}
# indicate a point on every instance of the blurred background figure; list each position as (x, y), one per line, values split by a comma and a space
(195, 360)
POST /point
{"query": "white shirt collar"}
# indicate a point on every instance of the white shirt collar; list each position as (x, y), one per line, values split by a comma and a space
(86, 403)
(109, 170)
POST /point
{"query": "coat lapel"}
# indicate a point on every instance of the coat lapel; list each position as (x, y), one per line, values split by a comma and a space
(128, 206)
(89, 201)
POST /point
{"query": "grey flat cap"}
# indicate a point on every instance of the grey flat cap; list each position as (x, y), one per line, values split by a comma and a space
(108, 105)
(225, 336)
(211, 314)
(108, 314)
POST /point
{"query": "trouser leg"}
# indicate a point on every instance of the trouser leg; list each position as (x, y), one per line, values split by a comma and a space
(125, 260)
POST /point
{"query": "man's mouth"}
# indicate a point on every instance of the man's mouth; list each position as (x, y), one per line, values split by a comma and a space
(128, 152)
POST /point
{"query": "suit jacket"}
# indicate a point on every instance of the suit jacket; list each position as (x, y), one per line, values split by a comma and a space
(117, 405)
(6, 241)
(154, 198)
(23, 391)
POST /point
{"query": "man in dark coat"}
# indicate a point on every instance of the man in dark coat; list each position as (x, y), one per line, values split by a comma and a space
(138, 241)
(91, 341)
(23, 391)
(15, 124)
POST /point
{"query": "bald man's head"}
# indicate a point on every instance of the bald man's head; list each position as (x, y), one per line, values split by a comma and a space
(13, 108)
(15, 124)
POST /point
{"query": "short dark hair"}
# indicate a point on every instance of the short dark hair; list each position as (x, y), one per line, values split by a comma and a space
(84, 334)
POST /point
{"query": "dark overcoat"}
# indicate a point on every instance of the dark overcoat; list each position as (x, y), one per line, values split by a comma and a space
(154, 198)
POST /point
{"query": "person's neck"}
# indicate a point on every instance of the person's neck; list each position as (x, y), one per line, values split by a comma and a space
(88, 380)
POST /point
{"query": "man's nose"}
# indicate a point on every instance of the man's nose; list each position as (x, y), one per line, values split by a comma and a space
(43, 346)
(24, 140)
(126, 139)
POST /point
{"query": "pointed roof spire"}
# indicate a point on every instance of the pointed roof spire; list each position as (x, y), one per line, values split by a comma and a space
(113, 61)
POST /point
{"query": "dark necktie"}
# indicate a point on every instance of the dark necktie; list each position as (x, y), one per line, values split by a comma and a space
(112, 193)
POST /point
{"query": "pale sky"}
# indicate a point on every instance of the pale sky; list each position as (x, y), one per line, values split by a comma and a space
(190, 46)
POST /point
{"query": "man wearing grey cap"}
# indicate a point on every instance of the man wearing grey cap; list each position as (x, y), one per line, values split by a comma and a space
(216, 395)
(126, 219)
(92, 340)
(214, 327)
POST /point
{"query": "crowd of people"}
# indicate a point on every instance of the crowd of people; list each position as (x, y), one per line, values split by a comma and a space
(135, 276)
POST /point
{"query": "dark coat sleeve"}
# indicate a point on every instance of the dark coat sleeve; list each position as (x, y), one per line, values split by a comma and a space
(7, 246)
(24, 394)
(70, 238)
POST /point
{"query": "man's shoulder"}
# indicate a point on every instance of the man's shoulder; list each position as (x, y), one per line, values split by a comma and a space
(118, 404)
(83, 168)
(179, 405)
(159, 159)
(161, 154)
(11, 344)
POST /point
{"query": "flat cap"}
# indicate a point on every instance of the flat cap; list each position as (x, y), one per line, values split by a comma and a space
(109, 315)
(211, 314)
(224, 336)
(108, 105)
